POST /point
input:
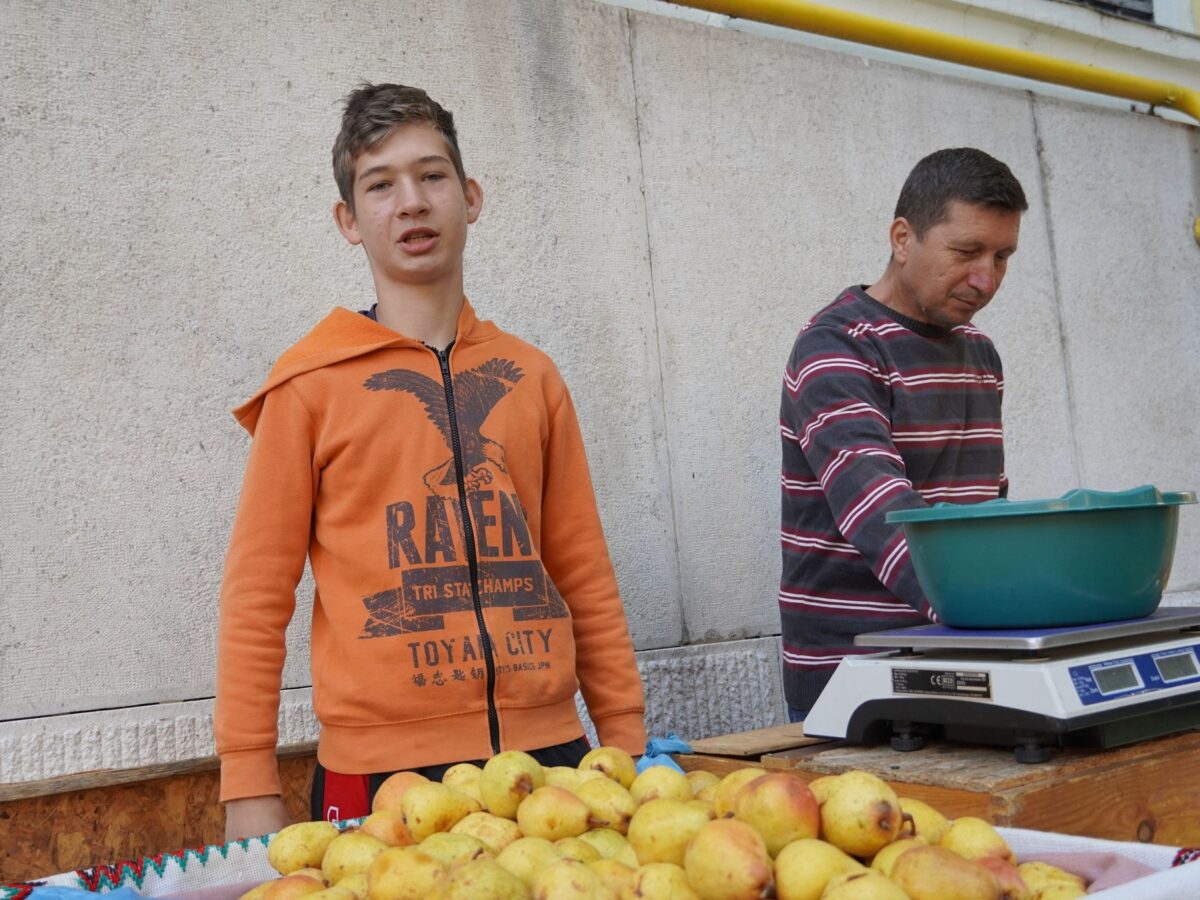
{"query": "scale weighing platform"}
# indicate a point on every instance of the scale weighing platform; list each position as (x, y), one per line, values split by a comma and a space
(1032, 689)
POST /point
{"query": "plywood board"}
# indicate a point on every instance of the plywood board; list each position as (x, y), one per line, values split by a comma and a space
(755, 743)
(89, 826)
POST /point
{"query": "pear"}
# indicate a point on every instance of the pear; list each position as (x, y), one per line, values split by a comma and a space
(729, 786)
(526, 856)
(349, 853)
(821, 787)
(608, 802)
(299, 846)
(484, 878)
(699, 779)
(577, 849)
(659, 881)
(627, 856)
(971, 838)
(335, 892)
(705, 806)
(432, 806)
(405, 873)
(860, 814)
(507, 779)
(864, 885)
(781, 807)
(928, 823)
(728, 860)
(660, 830)
(804, 867)
(1038, 875)
(465, 778)
(606, 840)
(582, 775)
(495, 832)
(454, 849)
(1012, 885)
(616, 876)
(886, 857)
(660, 781)
(566, 879)
(553, 813)
(935, 873)
(1060, 890)
(356, 884)
(461, 773)
(388, 825)
(259, 891)
(708, 793)
(471, 789)
(292, 886)
(391, 793)
(612, 762)
(562, 776)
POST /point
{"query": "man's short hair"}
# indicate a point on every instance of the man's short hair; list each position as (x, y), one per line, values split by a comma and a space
(958, 173)
(372, 112)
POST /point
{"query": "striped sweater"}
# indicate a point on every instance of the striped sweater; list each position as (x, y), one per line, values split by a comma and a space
(879, 412)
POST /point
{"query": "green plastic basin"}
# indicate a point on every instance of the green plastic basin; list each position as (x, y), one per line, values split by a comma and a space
(1083, 558)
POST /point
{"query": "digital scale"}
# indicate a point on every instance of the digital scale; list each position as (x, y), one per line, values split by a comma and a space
(1031, 689)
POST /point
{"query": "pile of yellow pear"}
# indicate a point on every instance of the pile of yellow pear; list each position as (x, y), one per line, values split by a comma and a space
(514, 830)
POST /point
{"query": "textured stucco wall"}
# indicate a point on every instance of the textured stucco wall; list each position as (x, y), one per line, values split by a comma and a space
(665, 204)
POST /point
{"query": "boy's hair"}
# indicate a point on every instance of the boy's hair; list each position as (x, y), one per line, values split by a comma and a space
(959, 173)
(372, 112)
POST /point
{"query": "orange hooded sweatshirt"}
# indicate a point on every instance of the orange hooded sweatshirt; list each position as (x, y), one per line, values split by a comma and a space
(463, 585)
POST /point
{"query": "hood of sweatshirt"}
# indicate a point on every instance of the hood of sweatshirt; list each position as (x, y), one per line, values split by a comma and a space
(343, 335)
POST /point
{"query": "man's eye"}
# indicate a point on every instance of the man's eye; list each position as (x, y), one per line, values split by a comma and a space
(380, 186)
(434, 176)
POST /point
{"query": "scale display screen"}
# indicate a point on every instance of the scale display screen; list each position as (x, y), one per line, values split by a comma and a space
(1141, 673)
(1112, 679)
(1177, 666)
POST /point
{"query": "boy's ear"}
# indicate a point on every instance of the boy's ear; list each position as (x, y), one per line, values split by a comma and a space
(474, 195)
(343, 216)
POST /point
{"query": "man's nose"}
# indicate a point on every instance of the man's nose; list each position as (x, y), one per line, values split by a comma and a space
(983, 277)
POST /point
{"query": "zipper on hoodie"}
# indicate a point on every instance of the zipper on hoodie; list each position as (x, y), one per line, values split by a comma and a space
(443, 357)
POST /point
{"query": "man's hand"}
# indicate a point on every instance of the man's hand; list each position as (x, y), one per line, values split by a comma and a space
(255, 816)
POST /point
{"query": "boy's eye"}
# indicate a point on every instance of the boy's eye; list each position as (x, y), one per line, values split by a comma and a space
(379, 186)
(434, 176)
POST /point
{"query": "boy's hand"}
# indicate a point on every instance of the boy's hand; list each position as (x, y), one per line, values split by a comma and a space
(254, 816)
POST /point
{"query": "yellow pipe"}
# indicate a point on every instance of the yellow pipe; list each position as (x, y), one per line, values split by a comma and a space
(864, 29)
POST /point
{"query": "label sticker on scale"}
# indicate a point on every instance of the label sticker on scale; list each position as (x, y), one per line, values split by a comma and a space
(948, 682)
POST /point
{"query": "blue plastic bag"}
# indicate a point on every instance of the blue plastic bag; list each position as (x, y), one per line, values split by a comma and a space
(659, 750)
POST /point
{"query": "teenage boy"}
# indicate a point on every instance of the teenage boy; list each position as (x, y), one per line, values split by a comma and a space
(430, 467)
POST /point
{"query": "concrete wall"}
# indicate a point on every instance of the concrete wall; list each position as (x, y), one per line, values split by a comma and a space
(665, 204)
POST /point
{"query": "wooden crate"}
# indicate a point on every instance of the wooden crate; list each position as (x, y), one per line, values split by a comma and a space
(1147, 792)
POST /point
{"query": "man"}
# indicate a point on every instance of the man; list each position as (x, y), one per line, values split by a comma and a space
(891, 400)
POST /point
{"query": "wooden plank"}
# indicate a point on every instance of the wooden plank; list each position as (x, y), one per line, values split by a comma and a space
(718, 765)
(67, 830)
(97, 778)
(755, 743)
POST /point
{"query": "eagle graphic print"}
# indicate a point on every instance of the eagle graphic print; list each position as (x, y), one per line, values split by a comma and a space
(427, 537)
